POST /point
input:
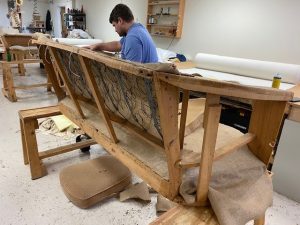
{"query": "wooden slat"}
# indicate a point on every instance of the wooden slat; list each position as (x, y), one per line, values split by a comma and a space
(140, 132)
(66, 80)
(184, 107)
(182, 215)
(89, 76)
(192, 126)
(211, 99)
(265, 122)
(223, 88)
(208, 150)
(191, 159)
(194, 115)
(168, 100)
(32, 86)
(66, 148)
(234, 145)
(26, 61)
(38, 113)
(49, 67)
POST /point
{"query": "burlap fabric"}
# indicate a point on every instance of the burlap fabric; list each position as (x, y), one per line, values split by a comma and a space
(240, 189)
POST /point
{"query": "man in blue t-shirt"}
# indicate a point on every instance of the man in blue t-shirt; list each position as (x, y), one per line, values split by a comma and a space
(136, 43)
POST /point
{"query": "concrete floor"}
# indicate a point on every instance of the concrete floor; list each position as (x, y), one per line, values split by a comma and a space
(42, 201)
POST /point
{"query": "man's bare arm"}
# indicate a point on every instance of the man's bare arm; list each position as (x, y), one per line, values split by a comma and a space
(114, 46)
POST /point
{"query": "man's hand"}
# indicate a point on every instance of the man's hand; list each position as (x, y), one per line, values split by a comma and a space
(114, 46)
(94, 47)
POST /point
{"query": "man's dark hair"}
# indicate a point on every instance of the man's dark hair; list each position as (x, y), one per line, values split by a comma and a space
(121, 11)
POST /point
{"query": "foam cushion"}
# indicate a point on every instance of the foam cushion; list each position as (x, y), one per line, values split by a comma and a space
(87, 183)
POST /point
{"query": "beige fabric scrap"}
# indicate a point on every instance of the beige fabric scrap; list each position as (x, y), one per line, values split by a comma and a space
(138, 191)
(163, 204)
(240, 188)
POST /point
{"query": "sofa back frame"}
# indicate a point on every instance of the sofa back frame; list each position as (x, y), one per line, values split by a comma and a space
(268, 110)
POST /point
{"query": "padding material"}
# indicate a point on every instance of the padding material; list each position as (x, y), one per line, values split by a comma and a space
(87, 183)
(75, 41)
(248, 67)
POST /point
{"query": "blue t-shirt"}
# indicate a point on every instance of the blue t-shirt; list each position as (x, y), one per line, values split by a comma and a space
(138, 45)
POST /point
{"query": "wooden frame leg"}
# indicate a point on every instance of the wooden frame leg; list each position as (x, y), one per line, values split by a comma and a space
(184, 107)
(17, 58)
(8, 83)
(24, 146)
(37, 169)
(48, 86)
(260, 221)
(21, 67)
(5, 86)
(4, 68)
(211, 124)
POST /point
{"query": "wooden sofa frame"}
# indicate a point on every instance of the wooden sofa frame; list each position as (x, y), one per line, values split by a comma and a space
(268, 110)
(19, 59)
(23, 40)
(31, 154)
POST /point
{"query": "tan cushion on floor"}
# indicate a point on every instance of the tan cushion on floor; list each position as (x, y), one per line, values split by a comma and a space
(87, 183)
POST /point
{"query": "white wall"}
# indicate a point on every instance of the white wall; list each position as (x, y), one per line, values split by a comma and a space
(98, 11)
(264, 30)
(27, 10)
(4, 21)
(286, 165)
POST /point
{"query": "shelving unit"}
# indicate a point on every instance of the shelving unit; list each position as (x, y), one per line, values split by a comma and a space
(75, 21)
(37, 25)
(165, 18)
(163, 2)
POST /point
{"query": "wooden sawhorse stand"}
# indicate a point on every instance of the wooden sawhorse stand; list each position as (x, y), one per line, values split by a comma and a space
(31, 155)
(9, 90)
